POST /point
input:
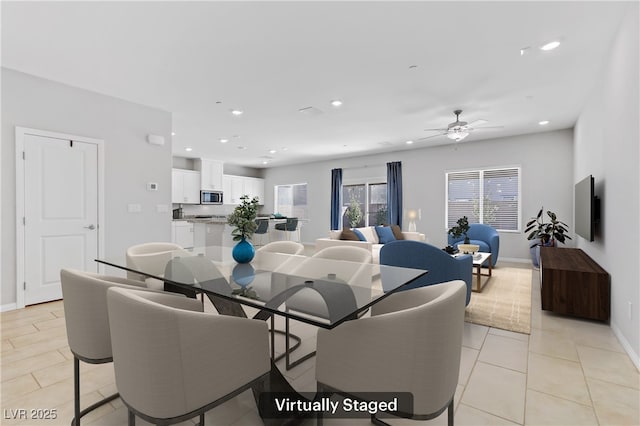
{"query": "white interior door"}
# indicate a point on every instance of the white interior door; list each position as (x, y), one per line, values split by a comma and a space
(61, 212)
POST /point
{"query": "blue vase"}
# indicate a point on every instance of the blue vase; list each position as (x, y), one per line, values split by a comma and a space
(535, 256)
(243, 252)
(243, 274)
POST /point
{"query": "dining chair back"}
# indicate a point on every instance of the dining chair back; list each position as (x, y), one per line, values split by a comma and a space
(286, 247)
(339, 264)
(172, 364)
(87, 323)
(150, 257)
(411, 343)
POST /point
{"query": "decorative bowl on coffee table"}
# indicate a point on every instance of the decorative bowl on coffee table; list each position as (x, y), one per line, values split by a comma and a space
(468, 248)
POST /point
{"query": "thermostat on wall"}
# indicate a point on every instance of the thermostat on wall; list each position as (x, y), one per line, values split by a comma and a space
(152, 186)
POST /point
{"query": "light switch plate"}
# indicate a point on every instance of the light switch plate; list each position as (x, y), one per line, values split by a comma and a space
(152, 186)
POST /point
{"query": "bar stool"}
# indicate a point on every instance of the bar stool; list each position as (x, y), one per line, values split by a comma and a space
(262, 229)
(291, 225)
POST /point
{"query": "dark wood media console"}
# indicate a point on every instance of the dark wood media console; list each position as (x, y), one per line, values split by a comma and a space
(574, 284)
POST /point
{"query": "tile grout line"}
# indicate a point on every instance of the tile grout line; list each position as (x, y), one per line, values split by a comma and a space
(464, 388)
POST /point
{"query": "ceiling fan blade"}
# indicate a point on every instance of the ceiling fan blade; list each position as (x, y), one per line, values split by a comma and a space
(429, 137)
(477, 123)
(435, 130)
(489, 127)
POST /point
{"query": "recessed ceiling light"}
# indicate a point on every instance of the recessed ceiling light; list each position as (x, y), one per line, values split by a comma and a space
(173, 133)
(188, 149)
(265, 162)
(237, 112)
(336, 102)
(543, 122)
(224, 140)
(409, 142)
(272, 151)
(550, 46)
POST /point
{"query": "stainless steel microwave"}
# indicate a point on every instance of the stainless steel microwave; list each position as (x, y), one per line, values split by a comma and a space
(210, 197)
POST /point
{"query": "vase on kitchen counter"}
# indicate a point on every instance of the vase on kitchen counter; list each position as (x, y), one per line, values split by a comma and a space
(243, 219)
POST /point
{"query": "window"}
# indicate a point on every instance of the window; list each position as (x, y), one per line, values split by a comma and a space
(364, 204)
(291, 200)
(490, 196)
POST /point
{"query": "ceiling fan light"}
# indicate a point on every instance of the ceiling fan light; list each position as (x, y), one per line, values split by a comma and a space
(457, 134)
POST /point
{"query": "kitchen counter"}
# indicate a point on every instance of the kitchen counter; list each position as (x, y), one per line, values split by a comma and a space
(204, 219)
(211, 231)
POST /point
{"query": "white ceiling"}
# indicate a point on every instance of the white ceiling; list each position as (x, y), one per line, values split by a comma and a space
(271, 59)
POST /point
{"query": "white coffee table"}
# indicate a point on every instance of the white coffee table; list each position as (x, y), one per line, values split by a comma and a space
(478, 259)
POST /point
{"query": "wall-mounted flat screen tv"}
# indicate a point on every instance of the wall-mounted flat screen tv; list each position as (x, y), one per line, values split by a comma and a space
(586, 208)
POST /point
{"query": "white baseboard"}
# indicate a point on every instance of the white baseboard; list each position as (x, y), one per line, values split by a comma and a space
(625, 344)
(8, 307)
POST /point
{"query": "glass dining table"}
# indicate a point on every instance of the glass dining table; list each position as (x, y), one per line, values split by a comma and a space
(317, 291)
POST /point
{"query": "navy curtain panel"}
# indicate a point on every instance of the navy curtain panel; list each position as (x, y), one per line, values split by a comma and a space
(336, 198)
(394, 193)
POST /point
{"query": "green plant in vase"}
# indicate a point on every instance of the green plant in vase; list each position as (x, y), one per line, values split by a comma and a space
(243, 219)
(546, 233)
(461, 228)
(543, 233)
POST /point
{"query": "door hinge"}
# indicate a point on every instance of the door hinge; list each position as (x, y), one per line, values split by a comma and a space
(24, 221)
(24, 285)
(23, 155)
(71, 144)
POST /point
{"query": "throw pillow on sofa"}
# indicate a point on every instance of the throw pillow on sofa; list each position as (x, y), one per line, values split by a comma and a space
(349, 235)
(369, 234)
(385, 234)
(397, 232)
(359, 234)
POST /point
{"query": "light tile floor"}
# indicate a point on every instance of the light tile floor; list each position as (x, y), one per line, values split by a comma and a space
(567, 372)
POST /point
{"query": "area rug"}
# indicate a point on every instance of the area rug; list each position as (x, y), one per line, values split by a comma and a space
(505, 300)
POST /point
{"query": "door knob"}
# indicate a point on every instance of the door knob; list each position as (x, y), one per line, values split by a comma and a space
(92, 227)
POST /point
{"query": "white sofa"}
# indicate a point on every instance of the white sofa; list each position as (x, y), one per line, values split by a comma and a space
(372, 244)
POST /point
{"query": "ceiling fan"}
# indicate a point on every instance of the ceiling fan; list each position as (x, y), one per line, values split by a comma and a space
(459, 130)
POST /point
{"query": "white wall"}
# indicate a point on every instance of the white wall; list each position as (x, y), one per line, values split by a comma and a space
(606, 146)
(130, 162)
(547, 180)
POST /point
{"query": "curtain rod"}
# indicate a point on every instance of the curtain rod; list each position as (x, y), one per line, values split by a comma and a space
(366, 166)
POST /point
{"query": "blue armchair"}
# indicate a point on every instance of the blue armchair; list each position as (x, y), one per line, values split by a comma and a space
(483, 235)
(442, 267)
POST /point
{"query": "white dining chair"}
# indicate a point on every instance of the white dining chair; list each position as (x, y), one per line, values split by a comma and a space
(411, 343)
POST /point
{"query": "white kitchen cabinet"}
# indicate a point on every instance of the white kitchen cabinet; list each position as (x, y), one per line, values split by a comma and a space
(254, 187)
(185, 186)
(211, 175)
(235, 187)
(182, 233)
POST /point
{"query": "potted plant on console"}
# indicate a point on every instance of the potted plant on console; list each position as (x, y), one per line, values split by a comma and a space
(243, 219)
(546, 234)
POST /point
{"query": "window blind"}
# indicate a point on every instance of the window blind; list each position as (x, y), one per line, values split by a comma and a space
(490, 196)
